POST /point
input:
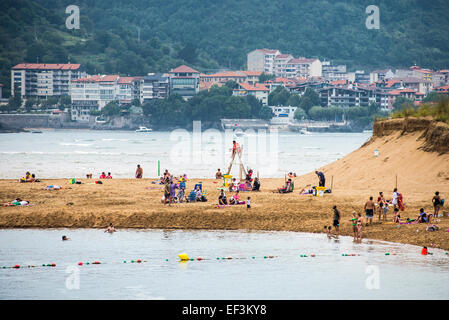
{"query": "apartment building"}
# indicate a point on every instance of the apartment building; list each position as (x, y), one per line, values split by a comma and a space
(223, 77)
(350, 96)
(303, 68)
(262, 60)
(380, 75)
(333, 72)
(154, 86)
(93, 93)
(258, 90)
(184, 81)
(43, 80)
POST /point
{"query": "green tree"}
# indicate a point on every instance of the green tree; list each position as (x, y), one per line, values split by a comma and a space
(255, 105)
(266, 76)
(300, 114)
(434, 97)
(294, 100)
(402, 102)
(111, 109)
(278, 97)
(265, 113)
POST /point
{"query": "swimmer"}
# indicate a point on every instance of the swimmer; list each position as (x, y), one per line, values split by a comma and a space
(110, 229)
(64, 238)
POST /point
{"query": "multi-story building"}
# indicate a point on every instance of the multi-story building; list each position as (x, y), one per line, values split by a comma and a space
(262, 60)
(184, 81)
(223, 77)
(252, 77)
(258, 90)
(280, 64)
(303, 68)
(350, 96)
(92, 94)
(333, 72)
(154, 86)
(380, 75)
(362, 77)
(44, 79)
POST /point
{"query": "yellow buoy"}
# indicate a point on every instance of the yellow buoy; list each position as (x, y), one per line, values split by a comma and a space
(183, 256)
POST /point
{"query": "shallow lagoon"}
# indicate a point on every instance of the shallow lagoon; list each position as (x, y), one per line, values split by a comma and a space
(329, 275)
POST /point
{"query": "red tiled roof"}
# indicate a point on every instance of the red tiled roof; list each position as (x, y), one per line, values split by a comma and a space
(444, 71)
(398, 92)
(268, 50)
(338, 82)
(390, 83)
(251, 73)
(125, 80)
(281, 56)
(301, 60)
(1, 85)
(224, 74)
(183, 69)
(47, 66)
(256, 87)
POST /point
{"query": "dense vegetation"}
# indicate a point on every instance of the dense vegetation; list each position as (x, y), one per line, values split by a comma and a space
(438, 109)
(139, 36)
(207, 106)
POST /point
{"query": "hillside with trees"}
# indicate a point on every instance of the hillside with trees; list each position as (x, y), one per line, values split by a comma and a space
(135, 37)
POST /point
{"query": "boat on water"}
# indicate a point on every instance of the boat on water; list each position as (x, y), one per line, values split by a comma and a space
(144, 129)
(36, 131)
(100, 120)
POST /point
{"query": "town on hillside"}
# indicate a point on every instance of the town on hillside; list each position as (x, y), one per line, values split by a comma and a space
(297, 91)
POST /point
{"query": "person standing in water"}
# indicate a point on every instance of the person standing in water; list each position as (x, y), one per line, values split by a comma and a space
(336, 222)
(139, 172)
(110, 229)
(369, 210)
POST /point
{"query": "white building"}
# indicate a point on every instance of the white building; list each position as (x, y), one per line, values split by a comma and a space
(92, 94)
(380, 75)
(44, 79)
(333, 72)
(282, 114)
(303, 68)
(262, 60)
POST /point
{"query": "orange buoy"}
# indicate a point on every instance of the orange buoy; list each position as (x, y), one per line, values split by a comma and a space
(16, 266)
(80, 263)
(53, 264)
(138, 261)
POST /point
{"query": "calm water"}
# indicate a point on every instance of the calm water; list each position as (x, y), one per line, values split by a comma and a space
(329, 275)
(73, 153)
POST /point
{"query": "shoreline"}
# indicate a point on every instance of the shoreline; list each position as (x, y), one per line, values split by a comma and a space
(128, 204)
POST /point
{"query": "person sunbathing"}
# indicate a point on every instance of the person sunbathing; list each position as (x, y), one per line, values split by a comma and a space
(16, 202)
(52, 187)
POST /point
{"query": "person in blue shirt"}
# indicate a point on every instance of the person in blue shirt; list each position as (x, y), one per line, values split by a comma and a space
(182, 188)
(422, 218)
(321, 177)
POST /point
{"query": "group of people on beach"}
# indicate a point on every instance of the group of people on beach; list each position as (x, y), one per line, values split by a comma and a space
(104, 176)
(382, 208)
(29, 177)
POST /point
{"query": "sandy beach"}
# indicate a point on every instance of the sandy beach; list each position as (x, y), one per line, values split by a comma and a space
(136, 203)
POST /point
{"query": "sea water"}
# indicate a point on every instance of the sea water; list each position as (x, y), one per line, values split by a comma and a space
(376, 270)
(75, 153)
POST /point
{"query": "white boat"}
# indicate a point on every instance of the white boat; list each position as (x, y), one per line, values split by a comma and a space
(144, 129)
(304, 131)
(99, 119)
